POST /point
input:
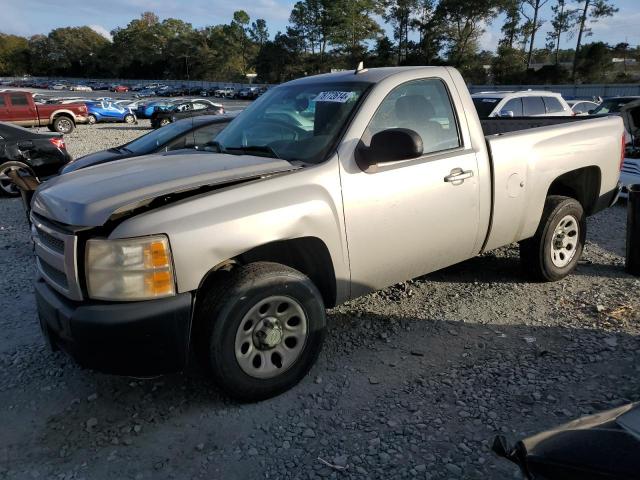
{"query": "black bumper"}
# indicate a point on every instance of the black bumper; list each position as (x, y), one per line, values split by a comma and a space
(136, 338)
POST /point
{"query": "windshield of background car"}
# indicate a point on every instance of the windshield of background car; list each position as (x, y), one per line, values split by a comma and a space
(612, 105)
(149, 142)
(294, 122)
(485, 105)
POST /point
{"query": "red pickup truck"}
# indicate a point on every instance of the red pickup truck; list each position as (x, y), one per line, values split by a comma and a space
(19, 108)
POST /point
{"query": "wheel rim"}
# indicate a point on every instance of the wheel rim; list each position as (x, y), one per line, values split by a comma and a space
(271, 337)
(564, 243)
(7, 185)
(64, 125)
(164, 122)
(129, 119)
(92, 120)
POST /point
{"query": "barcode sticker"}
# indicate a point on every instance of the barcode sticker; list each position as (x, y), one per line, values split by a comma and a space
(337, 97)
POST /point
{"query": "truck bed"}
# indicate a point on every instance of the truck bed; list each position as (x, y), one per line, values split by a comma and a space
(526, 160)
(497, 125)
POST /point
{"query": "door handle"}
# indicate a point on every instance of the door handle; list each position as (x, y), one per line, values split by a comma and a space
(458, 175)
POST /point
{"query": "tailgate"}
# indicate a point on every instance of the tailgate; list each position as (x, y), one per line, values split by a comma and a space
(525, 164)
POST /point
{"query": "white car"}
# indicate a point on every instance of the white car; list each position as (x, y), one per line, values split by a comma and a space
(528, 103)
(81, 88)
(582, 107)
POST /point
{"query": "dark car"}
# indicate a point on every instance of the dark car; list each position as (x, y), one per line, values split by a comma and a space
(194, 132)
(186, 109)
(41, 153)
(249, 93)
(613, 105)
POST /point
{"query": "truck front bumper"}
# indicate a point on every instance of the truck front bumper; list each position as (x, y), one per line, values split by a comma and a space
(82, 119)
(135, 338)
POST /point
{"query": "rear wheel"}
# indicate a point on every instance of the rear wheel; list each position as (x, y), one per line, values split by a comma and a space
(91, 119)
(554, 251)
(7, 188)
(164, 121)
(259, 329)
(63, 124)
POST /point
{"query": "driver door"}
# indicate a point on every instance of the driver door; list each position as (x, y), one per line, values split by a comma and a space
(408, 218)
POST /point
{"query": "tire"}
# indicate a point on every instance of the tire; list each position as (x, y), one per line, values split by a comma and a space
(130, 119)
(554, 251)
(7, 188)
(233, 326)
(91, 119)
(63, 124)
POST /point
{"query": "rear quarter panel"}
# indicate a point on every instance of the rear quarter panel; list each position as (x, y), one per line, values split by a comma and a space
(526, 163)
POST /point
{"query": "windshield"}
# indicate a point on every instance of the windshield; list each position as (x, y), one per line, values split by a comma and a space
(485, 105)
(613, 105)
(149, 142)
(293, 122)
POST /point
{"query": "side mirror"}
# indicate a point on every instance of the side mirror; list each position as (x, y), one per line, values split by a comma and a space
(506, 113)
(391, 145)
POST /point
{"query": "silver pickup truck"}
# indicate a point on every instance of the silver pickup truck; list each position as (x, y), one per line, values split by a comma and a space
(324, 189)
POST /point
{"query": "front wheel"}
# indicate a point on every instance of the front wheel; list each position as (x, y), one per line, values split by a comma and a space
(91, 119)
(129, 119)
(554, 251)
(259, 329)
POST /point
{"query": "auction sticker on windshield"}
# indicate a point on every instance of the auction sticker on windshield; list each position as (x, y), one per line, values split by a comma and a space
(338, 97)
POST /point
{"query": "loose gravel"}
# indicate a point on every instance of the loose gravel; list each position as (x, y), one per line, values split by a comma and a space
(414, 382)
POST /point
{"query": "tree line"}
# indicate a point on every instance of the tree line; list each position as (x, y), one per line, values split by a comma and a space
(334, 34)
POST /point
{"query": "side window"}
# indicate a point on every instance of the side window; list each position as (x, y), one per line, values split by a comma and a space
(553, 105)
(514, 105)
(533, 106)
(207, 134)
(423, 106)
(18, 100)
(2, 104)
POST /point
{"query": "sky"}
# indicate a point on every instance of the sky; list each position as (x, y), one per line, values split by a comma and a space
(28, 17)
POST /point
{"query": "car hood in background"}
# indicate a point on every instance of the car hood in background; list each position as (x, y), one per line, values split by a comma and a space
(90, 196)
(95, 159)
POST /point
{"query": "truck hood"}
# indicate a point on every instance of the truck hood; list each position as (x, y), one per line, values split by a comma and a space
(90, 196)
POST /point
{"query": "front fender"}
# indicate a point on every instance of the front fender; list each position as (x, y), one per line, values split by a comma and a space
(210, 228)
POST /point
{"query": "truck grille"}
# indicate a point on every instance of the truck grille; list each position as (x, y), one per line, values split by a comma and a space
(56, 252)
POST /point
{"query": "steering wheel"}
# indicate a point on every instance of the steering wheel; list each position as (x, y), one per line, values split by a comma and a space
(274, 124)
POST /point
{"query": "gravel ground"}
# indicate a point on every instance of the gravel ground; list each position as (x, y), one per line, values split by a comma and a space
(414, 381)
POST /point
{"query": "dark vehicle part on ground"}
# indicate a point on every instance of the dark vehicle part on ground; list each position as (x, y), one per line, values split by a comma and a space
(42, 153)
(25, 182)
(195, 133)
(632, 263)
(596, 447)
(187, 109)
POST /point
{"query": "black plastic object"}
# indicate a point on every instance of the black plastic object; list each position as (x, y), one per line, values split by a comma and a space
(632, 263)
(598, 447)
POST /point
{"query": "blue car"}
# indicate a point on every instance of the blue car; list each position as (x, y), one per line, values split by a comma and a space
(108, 111)
(145, 110)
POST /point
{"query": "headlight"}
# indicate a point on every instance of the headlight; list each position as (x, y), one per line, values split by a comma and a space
(129, 269)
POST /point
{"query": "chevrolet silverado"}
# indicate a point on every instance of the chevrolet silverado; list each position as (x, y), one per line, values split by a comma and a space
(324, 189)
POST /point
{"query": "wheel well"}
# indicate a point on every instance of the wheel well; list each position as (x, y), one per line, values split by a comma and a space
(582, 184)
(308, 255)
(63, 114)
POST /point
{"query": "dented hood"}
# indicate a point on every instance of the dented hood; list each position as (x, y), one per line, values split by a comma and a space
(88, 197)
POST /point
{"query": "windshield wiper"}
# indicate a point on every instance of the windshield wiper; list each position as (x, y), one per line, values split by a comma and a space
(254, 148)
